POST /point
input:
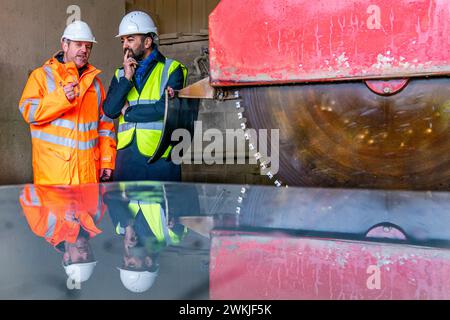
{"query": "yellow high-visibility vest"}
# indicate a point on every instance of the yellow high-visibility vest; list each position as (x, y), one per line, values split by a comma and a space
(155, 217)
(147, 134)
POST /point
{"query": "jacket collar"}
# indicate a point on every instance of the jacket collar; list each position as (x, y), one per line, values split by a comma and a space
(65, 69)
(159, 56)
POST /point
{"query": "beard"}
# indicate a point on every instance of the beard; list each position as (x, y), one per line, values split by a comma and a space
(137, 54)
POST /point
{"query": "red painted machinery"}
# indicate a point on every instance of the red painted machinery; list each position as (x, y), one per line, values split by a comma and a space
(360, 93)
(358, 89)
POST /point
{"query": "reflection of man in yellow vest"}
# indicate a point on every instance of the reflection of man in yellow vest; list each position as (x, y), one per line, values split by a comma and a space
(142, 219)
(137, 97)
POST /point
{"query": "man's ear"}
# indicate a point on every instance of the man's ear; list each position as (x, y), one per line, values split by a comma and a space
(64, 46)
(148, 261)
(148, 42)
(66, 257)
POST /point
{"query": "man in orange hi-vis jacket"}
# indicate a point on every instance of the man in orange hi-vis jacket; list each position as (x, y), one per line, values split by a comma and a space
(73, 140)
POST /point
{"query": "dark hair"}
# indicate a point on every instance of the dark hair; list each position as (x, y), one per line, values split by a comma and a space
(154, 38)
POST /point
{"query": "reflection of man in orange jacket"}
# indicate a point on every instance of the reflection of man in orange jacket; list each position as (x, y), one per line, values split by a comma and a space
(73, 141)
(66, 217)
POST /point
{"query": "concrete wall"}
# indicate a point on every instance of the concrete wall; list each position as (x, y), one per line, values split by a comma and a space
(174, 16)
(214, 115)
(30, 31)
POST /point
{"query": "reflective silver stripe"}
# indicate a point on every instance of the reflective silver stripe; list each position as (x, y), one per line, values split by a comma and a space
(98, 214)
(107, 133)
(135, 202)
(82, 127)
(24, 199)
(32, 112)
(64, 124)
(126, 126)
(66, 142)
(88, 144)
(105, 118)
(50, 79)
(99, 93)
(120, 229)
(146, 126)
(164, 81)
(165, 227)
(121, 73)
(34, 198)
(22, 106)
(165, 75)
(51, 223)
(146, 202)
(34, 102)
(85, 127)
(142, 101)
(150, 126)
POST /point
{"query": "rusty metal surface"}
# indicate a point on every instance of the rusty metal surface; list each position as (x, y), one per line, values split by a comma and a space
(267, 41)
(345, 135)
(264, 266)
(199, 90)
(388, 87)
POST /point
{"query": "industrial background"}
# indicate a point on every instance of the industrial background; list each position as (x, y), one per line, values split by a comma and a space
(31, 30)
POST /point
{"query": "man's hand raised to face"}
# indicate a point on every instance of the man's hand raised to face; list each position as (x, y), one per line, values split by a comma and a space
(129, 65)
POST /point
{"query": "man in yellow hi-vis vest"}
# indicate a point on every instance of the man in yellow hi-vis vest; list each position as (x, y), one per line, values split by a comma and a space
(141, 215)
(137, 97)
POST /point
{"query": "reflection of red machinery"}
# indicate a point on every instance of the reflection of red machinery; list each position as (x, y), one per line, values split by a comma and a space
(359, 90)
(333, 244)
(258, 266)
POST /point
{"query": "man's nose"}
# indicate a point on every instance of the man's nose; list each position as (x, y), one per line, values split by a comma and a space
(83, 256)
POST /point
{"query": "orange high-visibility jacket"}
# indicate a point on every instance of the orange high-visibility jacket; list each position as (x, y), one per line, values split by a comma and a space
(57, 213)
(71, 140)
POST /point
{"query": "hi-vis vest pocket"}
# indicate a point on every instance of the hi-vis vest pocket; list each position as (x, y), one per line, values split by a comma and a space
(51, 166)
(61, 154)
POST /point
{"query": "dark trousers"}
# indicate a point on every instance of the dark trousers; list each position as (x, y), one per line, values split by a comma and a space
(131, 165)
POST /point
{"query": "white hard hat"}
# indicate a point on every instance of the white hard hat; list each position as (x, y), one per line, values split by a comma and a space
(137, 281)
(80, 272)
(78, 31)
(136, 22)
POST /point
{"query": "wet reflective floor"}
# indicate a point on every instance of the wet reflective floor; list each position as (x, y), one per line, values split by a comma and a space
(152, 240)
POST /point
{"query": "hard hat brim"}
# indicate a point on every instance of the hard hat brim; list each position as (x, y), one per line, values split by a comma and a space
(80, 40)
(149, 272)
(136, 33)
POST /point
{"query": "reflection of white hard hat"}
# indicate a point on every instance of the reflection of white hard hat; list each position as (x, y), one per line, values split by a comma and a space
(80, 272)
(78, 31)
(136, 22)
(138, 281)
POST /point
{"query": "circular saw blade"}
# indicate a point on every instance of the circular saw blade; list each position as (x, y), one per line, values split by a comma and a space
(345, 135)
